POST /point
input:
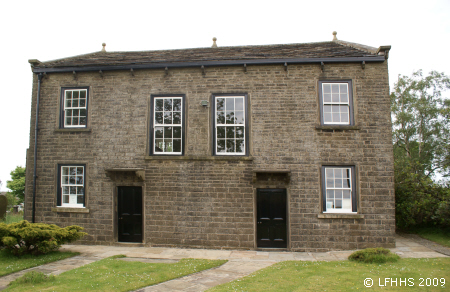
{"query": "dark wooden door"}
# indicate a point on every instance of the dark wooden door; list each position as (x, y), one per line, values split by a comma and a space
(271, 218)
(129, 213)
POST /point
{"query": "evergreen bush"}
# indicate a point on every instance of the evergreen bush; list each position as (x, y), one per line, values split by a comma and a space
(377, 255)
(36, 238)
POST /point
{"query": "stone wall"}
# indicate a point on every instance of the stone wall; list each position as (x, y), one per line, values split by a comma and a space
(202, 200)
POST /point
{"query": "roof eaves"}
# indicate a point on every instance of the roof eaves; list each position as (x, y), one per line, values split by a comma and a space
(103, 67)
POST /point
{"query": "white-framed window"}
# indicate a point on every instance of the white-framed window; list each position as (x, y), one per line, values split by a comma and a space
(339, 192)
(72, 186)
(230, 124)
(336, 105)
(168, 125)
(74, 107)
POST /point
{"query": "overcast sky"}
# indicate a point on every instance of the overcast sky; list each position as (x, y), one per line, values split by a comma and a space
(418, 31)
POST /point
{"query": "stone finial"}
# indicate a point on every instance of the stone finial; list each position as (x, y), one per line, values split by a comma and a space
(104, 47)
(334, 36)
(34, 62)
(214, 45)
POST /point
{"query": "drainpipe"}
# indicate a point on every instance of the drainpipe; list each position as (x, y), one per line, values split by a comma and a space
(35, 148)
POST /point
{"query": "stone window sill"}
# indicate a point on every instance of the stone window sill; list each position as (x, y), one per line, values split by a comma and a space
(200, 158)
(70, 210)
(333, 128)
(72, 130)
(340, 216)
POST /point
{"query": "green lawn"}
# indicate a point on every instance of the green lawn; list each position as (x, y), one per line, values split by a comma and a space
(12, 218)
(346, 276)
(10, 263)
(436, 234)
(112, 274)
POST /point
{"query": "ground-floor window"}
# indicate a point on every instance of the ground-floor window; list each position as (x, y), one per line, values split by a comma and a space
(338, 188)
(71, 185)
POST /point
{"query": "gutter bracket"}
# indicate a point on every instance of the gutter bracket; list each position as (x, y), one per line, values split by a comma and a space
(363, 65)
(285, 67)
(322, 66)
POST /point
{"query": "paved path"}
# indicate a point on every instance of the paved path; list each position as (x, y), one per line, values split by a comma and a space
(240, 263)
(204, 280)
(427, 243)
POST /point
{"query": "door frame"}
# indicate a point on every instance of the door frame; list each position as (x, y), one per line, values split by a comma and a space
(255, 217)
(115, 218)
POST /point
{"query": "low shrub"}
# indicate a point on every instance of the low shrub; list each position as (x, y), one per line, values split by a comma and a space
(36, 238)
(377, 255)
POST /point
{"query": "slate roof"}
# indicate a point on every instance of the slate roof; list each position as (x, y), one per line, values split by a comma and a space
(333, 49)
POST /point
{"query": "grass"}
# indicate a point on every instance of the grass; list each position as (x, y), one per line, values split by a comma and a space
(112, 274)
(33, 278)
(436, 234)
(11, 264)
(345, 276)
(12, 218)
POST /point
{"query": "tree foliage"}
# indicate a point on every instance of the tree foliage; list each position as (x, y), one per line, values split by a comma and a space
(17, 183)
(421, 127)
(421, 137)
(12, 200)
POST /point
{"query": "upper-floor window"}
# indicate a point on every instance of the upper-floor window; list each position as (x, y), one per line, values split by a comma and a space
(74, 103)
(230, 124)
(167, 134)
(338, 187)
(336, 104)
(71, 185)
